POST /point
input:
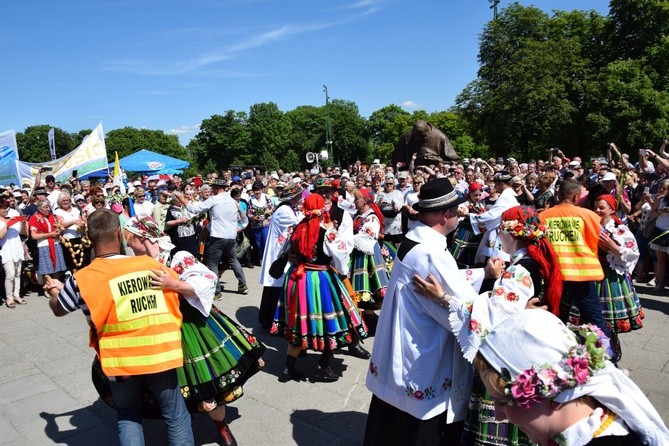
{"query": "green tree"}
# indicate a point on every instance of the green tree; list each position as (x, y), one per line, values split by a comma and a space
(626, 107)
(128, 140)
(307, 124)
(528, 95)
(223, 139)
(269, 130)
(349, 137)
(385, 126)
(33, 143)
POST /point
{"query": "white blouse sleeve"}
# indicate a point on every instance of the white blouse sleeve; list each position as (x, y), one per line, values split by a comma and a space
(472, 319)
(367, 237)
(629, 250)
(199, 277)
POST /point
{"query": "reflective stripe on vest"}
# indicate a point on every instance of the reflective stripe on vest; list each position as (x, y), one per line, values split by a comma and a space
(139, 323)
(139, 341)
(138, 327)
(575, 246)
(143, 361)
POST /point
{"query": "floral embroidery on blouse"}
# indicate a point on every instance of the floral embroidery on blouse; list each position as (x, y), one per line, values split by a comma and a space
(629, 251)
(426, 394)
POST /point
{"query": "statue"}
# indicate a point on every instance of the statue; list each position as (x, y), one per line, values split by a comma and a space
(430, 144)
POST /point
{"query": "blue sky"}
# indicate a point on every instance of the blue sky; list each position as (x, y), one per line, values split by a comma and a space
(169, 64)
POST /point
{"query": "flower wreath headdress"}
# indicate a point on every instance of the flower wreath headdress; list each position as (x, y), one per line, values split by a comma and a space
(546, 381)
(529, 231)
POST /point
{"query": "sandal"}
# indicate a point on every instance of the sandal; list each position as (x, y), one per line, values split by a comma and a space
(20, 301)
(10, 304)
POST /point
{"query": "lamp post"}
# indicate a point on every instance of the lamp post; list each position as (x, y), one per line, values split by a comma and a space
(328, 124)
(493, 6)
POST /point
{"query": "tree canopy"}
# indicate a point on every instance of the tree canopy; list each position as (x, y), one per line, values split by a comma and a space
(571, 79)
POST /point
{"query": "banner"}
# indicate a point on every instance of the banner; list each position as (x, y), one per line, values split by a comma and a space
(118, 179)
(8, 155)
(89, 157)
(52, 144)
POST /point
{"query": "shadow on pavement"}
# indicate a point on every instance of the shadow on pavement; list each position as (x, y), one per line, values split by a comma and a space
(96, 424)
(315, 427)
(650, 302)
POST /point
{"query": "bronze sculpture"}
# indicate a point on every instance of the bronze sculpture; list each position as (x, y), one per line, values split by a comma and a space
(430, 145)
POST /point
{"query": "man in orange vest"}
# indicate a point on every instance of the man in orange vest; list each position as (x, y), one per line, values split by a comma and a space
(574, 235)
(135, 329)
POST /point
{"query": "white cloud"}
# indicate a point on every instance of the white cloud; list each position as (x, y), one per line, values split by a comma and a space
(411, 105)
(184, 130)
(198, 64)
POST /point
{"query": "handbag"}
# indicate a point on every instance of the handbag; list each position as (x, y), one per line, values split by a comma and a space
(278, 266)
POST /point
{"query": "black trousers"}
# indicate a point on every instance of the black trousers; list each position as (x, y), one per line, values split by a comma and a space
(389, 426)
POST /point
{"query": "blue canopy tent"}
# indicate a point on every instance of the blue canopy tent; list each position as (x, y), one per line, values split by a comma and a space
(146, 161)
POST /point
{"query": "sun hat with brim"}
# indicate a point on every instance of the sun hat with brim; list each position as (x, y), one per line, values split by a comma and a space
(291, 191)
(502, 175)
(437, 195)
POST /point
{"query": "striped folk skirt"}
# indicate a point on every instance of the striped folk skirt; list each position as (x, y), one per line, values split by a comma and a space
(315, 310)
(369, 278)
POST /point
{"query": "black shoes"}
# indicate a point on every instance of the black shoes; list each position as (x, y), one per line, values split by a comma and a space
(327, 375)
(358, 351)
(288, 375)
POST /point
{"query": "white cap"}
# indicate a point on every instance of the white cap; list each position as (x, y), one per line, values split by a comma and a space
(608, 176)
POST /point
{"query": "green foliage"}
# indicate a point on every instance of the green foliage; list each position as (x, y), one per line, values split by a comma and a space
(575, 80)
(33, 143)
(223, 139)
(128, 140)
(348, 133)
(269, 131)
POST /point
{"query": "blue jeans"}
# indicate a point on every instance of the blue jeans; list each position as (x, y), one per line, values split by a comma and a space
(583, 295)
(164, 387)
(260, 237)
(223, 249)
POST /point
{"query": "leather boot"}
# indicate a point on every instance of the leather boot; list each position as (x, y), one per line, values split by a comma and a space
(227, 439)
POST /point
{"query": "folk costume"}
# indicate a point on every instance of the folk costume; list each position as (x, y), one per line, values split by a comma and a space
(533, 272)
(281, 225)
(418, 375)
(467, 241)
(620, 302)
(219, 355)
(534, 347)
(316, 310)
(369, 275)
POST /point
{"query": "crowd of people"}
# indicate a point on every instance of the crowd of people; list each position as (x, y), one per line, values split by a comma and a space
(445, 263)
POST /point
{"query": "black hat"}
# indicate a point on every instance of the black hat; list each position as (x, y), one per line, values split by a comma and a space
(218, 182)
(41, 191)
(437, 195)
(502, 175)
(257, 185)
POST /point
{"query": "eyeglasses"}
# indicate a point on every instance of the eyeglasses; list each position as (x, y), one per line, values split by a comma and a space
(97, 203)
(390, 184)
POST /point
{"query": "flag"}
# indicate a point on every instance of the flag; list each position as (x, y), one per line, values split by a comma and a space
(52, 144)
(117, 180)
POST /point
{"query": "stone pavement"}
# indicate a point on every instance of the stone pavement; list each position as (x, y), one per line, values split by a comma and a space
(46, 395)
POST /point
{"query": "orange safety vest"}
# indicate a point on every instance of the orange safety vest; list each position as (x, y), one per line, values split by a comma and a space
(574, 235)
(137, 329)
